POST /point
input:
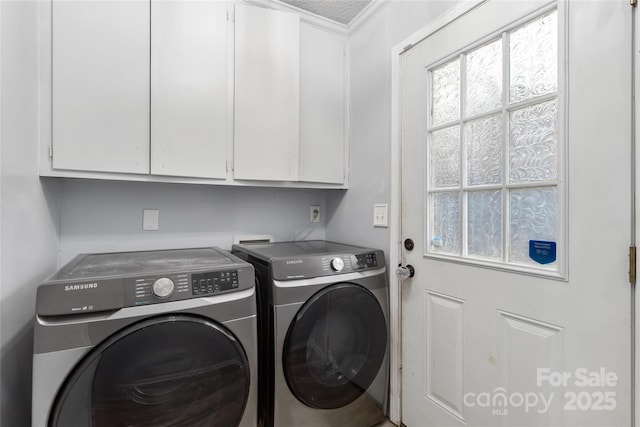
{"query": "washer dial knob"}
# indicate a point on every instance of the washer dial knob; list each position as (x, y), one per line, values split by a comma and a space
(337, 264)
(163, 287)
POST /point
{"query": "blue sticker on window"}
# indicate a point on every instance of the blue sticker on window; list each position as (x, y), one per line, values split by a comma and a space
(542, 252)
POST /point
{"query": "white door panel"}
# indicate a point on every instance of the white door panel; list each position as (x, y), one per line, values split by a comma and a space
(481, 337)
(267, 94)
(189, 102)
(322, 104)
(100, 85)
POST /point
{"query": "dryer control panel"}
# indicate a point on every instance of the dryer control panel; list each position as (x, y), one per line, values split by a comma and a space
(325, 265)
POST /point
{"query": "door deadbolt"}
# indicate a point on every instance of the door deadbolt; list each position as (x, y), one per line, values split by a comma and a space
(409, 245)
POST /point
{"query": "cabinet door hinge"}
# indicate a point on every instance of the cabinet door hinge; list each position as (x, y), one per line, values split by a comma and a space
(229, 166)
(632, 265)
(51, 151)
(231, 16)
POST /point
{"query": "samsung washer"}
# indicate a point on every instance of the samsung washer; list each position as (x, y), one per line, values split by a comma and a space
(324, 319)
(147, 339)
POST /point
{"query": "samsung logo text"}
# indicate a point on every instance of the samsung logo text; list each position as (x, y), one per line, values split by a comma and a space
(70, 288)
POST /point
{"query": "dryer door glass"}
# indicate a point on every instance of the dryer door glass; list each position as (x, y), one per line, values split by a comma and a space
(169, 371)
(335, 346)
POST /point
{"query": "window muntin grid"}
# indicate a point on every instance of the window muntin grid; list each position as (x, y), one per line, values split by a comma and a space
(492, 150)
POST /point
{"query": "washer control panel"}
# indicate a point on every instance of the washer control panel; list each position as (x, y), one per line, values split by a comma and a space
(214, 282)
(154, 289)
(113, 281)
(362, 261)
(174, 287)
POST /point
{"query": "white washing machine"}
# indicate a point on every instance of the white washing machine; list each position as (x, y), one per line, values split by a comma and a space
(324, 338)
(147, 339)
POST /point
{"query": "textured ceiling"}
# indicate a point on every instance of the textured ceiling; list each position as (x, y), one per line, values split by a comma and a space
(342, 11)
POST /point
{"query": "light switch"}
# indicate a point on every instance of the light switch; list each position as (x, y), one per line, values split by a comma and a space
(380, 215)
(150, 219)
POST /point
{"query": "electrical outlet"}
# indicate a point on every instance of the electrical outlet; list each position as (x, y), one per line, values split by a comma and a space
(150, 219)
(314, 213)
(380, 215)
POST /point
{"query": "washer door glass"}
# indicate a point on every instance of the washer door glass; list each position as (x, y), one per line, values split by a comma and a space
(335, 346)
(169, 371)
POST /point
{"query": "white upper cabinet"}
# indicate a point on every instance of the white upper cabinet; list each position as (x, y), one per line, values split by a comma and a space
(267, 89)
(322, 105)
(189, 102)
(202, 91)
(100, 86)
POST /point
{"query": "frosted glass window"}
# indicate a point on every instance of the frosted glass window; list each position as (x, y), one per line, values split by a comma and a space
(533, 147)
(493, 148)
(446, 93)
(445, 157)
(533, 58)
(484, 141)
(484, 219)
(484, 79)
(446, 227)
(533, 214)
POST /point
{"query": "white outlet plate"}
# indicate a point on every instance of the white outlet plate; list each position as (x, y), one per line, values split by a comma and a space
(380, 215)
(314, 213)
(150, 219)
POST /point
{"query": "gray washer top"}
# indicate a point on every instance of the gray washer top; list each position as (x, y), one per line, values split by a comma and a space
(118, 264)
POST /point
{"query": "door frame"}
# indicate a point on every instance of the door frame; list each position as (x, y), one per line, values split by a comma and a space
(395, 234)
(635, 213)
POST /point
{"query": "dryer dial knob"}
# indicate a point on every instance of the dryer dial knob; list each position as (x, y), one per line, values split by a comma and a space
(163, 288)
(337, 264)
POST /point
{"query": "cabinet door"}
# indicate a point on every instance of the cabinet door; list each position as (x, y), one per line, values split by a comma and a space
(100, 86)
(266, 94)
(322, 105)
(189, 112)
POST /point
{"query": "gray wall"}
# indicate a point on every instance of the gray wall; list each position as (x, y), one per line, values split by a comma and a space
(351, 213)
(28, 209)
(104, 216)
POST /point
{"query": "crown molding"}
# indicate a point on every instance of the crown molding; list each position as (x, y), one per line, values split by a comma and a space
(305, 16)
(366, 14)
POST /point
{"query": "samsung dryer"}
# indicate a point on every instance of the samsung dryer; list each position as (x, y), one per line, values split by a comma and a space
(324, 314)
(147, 339)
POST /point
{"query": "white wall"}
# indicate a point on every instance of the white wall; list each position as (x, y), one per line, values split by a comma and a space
(103, 216)
(28, 209)
(351, 213)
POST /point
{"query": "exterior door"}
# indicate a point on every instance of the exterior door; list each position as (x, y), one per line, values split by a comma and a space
(516, 191)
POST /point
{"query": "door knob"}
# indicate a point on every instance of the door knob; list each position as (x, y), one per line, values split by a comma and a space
(405, 272)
